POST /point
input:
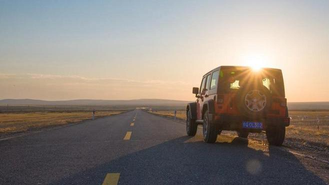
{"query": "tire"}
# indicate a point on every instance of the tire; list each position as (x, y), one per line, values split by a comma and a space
(263, 104)
(243, 134)
(275, 136)
(191, 125)
(209, 129)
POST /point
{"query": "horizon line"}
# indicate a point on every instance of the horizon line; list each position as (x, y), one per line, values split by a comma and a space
(134, 99)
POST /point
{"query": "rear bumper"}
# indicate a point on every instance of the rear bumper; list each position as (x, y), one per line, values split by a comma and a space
(229, 122)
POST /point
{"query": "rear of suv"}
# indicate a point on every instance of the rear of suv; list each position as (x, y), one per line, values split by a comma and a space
(239, 99)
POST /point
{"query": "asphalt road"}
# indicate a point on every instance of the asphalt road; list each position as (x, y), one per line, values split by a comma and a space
(153, 150)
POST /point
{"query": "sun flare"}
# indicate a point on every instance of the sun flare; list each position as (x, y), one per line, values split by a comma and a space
(256, 67)
(256, 62)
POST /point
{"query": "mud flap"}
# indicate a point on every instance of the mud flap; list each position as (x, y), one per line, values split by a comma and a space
(192, 107)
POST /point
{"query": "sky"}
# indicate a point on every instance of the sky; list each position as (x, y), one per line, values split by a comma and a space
(62, 50)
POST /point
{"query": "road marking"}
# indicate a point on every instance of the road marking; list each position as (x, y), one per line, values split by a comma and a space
(127, 136)
(111, 179)
(132, 124)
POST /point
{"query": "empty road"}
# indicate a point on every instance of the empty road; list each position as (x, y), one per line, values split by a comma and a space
(140, 148)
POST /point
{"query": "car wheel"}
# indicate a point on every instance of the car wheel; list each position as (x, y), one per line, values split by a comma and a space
(209, 129)
(243, 134)
(275, 136)
(191, 125)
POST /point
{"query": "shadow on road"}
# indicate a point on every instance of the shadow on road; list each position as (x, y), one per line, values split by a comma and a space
(190, 161)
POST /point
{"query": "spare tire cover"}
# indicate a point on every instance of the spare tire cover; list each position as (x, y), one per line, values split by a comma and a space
(254, 101)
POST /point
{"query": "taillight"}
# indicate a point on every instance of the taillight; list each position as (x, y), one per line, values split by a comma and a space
(287, 121)
(283, 103)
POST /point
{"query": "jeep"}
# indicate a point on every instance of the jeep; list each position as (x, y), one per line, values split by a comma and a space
(239, 99)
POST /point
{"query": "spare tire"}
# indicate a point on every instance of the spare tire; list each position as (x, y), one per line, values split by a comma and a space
(254, 102)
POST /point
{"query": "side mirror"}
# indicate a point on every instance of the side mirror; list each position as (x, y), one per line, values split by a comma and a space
(195, 90)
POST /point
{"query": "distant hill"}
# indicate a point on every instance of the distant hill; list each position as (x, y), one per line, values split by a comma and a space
(140, 102)
(84, 102)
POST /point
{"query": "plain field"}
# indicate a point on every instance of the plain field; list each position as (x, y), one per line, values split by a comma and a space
(20, 122)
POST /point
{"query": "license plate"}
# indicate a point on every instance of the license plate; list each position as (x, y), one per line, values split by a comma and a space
(253, 125)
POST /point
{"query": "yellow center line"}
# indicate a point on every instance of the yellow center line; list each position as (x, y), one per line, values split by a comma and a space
(132, 124)
(127, 136)
(111, 179)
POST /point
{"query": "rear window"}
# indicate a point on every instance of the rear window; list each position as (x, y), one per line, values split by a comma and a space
(233, 79)
(266, 82)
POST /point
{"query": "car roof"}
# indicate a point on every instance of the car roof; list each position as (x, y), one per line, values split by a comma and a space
(239, 68)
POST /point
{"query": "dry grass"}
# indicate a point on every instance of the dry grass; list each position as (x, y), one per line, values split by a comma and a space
(311, 126)
(179, 114)
(19, 122)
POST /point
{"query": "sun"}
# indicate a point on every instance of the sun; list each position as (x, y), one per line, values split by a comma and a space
(256, 62)
(256, 67)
